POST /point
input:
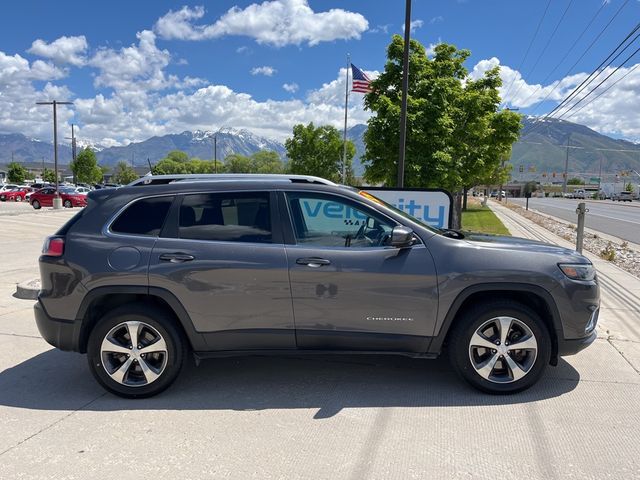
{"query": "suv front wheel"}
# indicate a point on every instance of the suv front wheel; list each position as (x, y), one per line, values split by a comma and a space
(501, 347)
(136, 351)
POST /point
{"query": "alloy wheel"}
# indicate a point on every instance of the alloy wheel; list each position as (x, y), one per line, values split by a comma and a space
(503, 350)
(134, 354)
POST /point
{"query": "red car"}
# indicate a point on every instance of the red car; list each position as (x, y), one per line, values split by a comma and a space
(44, 198)
(15, 195)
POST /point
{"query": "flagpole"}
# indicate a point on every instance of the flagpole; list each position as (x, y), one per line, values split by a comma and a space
(346, 107)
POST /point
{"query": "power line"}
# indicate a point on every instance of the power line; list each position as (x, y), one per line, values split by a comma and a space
(600, 84)
(546, 45)
(592, 76)
(577, 91)
(604, 4)
(528, 50)
(605, 90)
(570, 69)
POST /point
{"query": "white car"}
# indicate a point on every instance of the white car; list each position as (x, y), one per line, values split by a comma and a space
(8, 186)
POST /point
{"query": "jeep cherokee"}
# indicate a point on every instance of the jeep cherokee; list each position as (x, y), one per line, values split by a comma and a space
(273, 264)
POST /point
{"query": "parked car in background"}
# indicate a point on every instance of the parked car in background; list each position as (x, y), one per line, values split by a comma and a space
(622, 197)
(82, 190)
(16, 195)
(8, 186)
(494, 194)
(70, 198)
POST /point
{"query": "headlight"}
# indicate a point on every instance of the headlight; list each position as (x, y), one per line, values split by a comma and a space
(579, 271)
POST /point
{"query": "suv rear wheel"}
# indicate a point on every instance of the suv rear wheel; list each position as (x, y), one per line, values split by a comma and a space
(136, 351)
(500, 347)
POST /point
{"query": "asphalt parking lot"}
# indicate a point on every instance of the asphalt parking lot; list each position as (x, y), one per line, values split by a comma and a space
(324, 417)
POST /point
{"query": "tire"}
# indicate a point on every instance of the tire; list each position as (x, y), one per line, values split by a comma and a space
(18, 198)
(36, 204)
(67, 204)
(513, 370)
(123, 375)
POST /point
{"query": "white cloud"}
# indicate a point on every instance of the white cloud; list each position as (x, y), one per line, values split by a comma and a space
(414, 25)
(265, 70)
(243, 50)
(609, 114)
(63, 50)
(431, 48)
(291, 87)
(275, 22)
(437, 19)
(380, 29)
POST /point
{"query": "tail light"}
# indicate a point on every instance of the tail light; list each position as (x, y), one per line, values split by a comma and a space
(53, 247)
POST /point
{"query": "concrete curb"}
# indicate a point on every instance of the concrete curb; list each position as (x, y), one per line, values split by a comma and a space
(28, 290)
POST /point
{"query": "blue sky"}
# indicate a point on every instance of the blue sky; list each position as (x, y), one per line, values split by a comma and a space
(137, 69)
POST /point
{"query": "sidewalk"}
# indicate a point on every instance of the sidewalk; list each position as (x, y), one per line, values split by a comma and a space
(619, 321)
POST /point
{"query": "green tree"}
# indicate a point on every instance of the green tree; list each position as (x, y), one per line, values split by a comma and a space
(85, 167)
(48, 175)
(575, 181)
(166, 166)
(318, 151)
(178, 156)
(628, 187)
(456, 137)
(124, 173)
(266, 161)
(16, 173)
(236, 163)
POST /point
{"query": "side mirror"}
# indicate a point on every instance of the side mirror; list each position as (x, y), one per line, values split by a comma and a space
(401, 237)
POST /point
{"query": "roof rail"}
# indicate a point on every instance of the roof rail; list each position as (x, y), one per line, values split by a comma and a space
(217, 177)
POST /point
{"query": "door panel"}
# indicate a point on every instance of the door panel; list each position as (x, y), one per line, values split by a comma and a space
(237, 293)
(349, 290)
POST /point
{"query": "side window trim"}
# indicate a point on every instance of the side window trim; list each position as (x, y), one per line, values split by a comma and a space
(106, 230)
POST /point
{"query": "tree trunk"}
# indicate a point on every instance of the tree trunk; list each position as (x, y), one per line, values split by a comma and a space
(464, 200)
(456, 217)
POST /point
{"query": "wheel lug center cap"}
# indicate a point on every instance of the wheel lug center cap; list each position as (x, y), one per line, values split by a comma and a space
(503, 349)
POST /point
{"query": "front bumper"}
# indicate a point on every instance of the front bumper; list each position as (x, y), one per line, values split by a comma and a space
(62, 334)
(575, 345)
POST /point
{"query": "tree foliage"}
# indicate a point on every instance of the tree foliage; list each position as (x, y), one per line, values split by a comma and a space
(85, 167)
(456, 137)
(48, 175)
(318, 151)
(124, 173)
(575, 181)
(16, 173)
(178, 162)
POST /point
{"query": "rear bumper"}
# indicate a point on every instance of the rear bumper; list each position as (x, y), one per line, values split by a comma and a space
(62, 334)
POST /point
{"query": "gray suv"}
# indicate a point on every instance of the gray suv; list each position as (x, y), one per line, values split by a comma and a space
(237, 265)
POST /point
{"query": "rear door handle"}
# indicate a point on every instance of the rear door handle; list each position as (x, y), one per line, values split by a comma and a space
(313, 262)
(176, 257)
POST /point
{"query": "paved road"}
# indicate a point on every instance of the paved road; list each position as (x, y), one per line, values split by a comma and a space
(620, 219)
(301, 418)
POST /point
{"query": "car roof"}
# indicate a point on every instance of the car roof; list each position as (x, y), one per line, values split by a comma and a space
(229, 177)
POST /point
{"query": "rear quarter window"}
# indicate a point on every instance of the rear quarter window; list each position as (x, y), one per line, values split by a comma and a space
(143, 217)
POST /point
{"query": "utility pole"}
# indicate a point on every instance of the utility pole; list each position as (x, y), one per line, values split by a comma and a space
(346, 109)
(405, 88)
(566, 168)
(57, 201)
(215, 153)
(73, 150)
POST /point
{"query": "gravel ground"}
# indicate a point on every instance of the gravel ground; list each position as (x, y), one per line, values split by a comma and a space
(619, 253)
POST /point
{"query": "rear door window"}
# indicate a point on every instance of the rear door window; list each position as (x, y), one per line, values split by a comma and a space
(143, 217)
(226, 217)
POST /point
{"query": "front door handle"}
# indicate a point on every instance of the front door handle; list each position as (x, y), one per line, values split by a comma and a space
(313, 262)
(176, 257)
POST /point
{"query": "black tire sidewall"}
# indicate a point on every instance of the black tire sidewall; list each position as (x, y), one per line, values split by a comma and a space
(67, 204)
(34, 203)
(473, 319)
(176, 349)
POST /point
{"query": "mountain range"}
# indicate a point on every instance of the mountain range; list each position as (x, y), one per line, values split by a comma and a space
(542, 148)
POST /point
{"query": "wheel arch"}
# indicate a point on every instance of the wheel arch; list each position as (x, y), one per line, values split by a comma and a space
(101, 300)
(533, 296)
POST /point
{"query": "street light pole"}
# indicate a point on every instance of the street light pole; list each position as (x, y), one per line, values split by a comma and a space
(405, 88)
(566, 167)
(57, 201)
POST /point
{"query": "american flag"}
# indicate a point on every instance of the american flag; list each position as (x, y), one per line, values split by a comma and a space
(360, 80)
